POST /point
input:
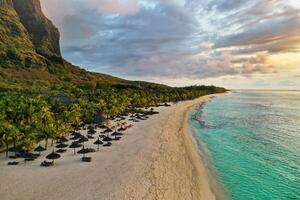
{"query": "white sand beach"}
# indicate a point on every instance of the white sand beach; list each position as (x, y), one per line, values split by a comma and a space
(155, 159)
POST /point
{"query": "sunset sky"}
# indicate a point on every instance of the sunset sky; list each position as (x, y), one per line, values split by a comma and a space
(231, 43)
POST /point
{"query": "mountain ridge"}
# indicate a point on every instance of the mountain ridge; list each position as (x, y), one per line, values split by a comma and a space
(30, 51)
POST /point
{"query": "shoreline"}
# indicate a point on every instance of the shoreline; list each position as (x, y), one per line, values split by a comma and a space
(217, 187)
(156, 159)
(186, 176)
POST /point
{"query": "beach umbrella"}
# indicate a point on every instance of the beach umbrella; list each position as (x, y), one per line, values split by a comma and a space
(107, 139)
(27, 155)
(75, 133)
(75, 145)
(53, 156)
(39, 149)
(83, 151)
(61, 150)
(15, 149)
(76, 136)
(98, 142)
(91, 132)
(116, 135)
(108, 130)
(90, 137)
(61, 145)
(103, 126)
(83, 139)
(90, 127)
(62, 140)
(73, 138)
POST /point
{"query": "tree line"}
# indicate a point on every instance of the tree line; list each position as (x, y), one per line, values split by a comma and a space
(29, 115)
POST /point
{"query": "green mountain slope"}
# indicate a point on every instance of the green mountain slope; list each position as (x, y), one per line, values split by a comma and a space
(16, 47)
(30, 51)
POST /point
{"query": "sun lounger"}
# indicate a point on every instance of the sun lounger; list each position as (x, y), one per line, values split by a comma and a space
(86, 159)
(117, 138)
(13, 157)
(61, 150)
(107, 144)
(12, 163)
(47, 164)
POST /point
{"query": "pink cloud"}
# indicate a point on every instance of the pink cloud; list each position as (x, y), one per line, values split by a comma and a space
(123, 7)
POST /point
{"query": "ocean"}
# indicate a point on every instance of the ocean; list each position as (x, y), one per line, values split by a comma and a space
(251, 142)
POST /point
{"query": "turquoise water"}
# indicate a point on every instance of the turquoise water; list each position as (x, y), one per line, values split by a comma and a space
(252, 141)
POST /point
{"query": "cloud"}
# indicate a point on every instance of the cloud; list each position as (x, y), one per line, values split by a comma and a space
(124, 7)
(58, 9)
(269, 33)
(182, 39)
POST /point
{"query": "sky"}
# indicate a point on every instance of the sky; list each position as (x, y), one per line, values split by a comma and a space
(245, 44)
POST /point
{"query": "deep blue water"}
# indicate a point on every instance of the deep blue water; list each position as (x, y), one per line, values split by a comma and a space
(252, 142)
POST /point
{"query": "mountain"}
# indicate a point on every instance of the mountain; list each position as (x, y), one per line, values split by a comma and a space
(30, 51)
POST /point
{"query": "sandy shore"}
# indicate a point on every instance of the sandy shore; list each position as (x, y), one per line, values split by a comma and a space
(156, 159)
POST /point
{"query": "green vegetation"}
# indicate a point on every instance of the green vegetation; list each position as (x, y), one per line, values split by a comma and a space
(16, 48)
(31, 114)
(43, 97)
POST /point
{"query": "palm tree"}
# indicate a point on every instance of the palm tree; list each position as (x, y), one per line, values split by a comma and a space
(61, 128)
(45, 123)
(16, 135)
(75, 115)
(8, 133)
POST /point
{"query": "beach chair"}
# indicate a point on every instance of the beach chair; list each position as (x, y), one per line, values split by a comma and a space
(12, 163)
(12, 157)
(86, 159)
(47, 164)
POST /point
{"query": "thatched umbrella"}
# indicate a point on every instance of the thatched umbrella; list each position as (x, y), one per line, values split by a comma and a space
(62, 140)
(116, 135)
(107, 139)
(75, 145)
(28, 155)
(61, 150)
(91, 131)
(15, 149)
(83, 151)
(39, 149)
(108, 130)
(83, 139)
(75, 133)
(98, 143)
(90, 137)
(53, 156)
(102, 126)
(76, 136)
(61, 145)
